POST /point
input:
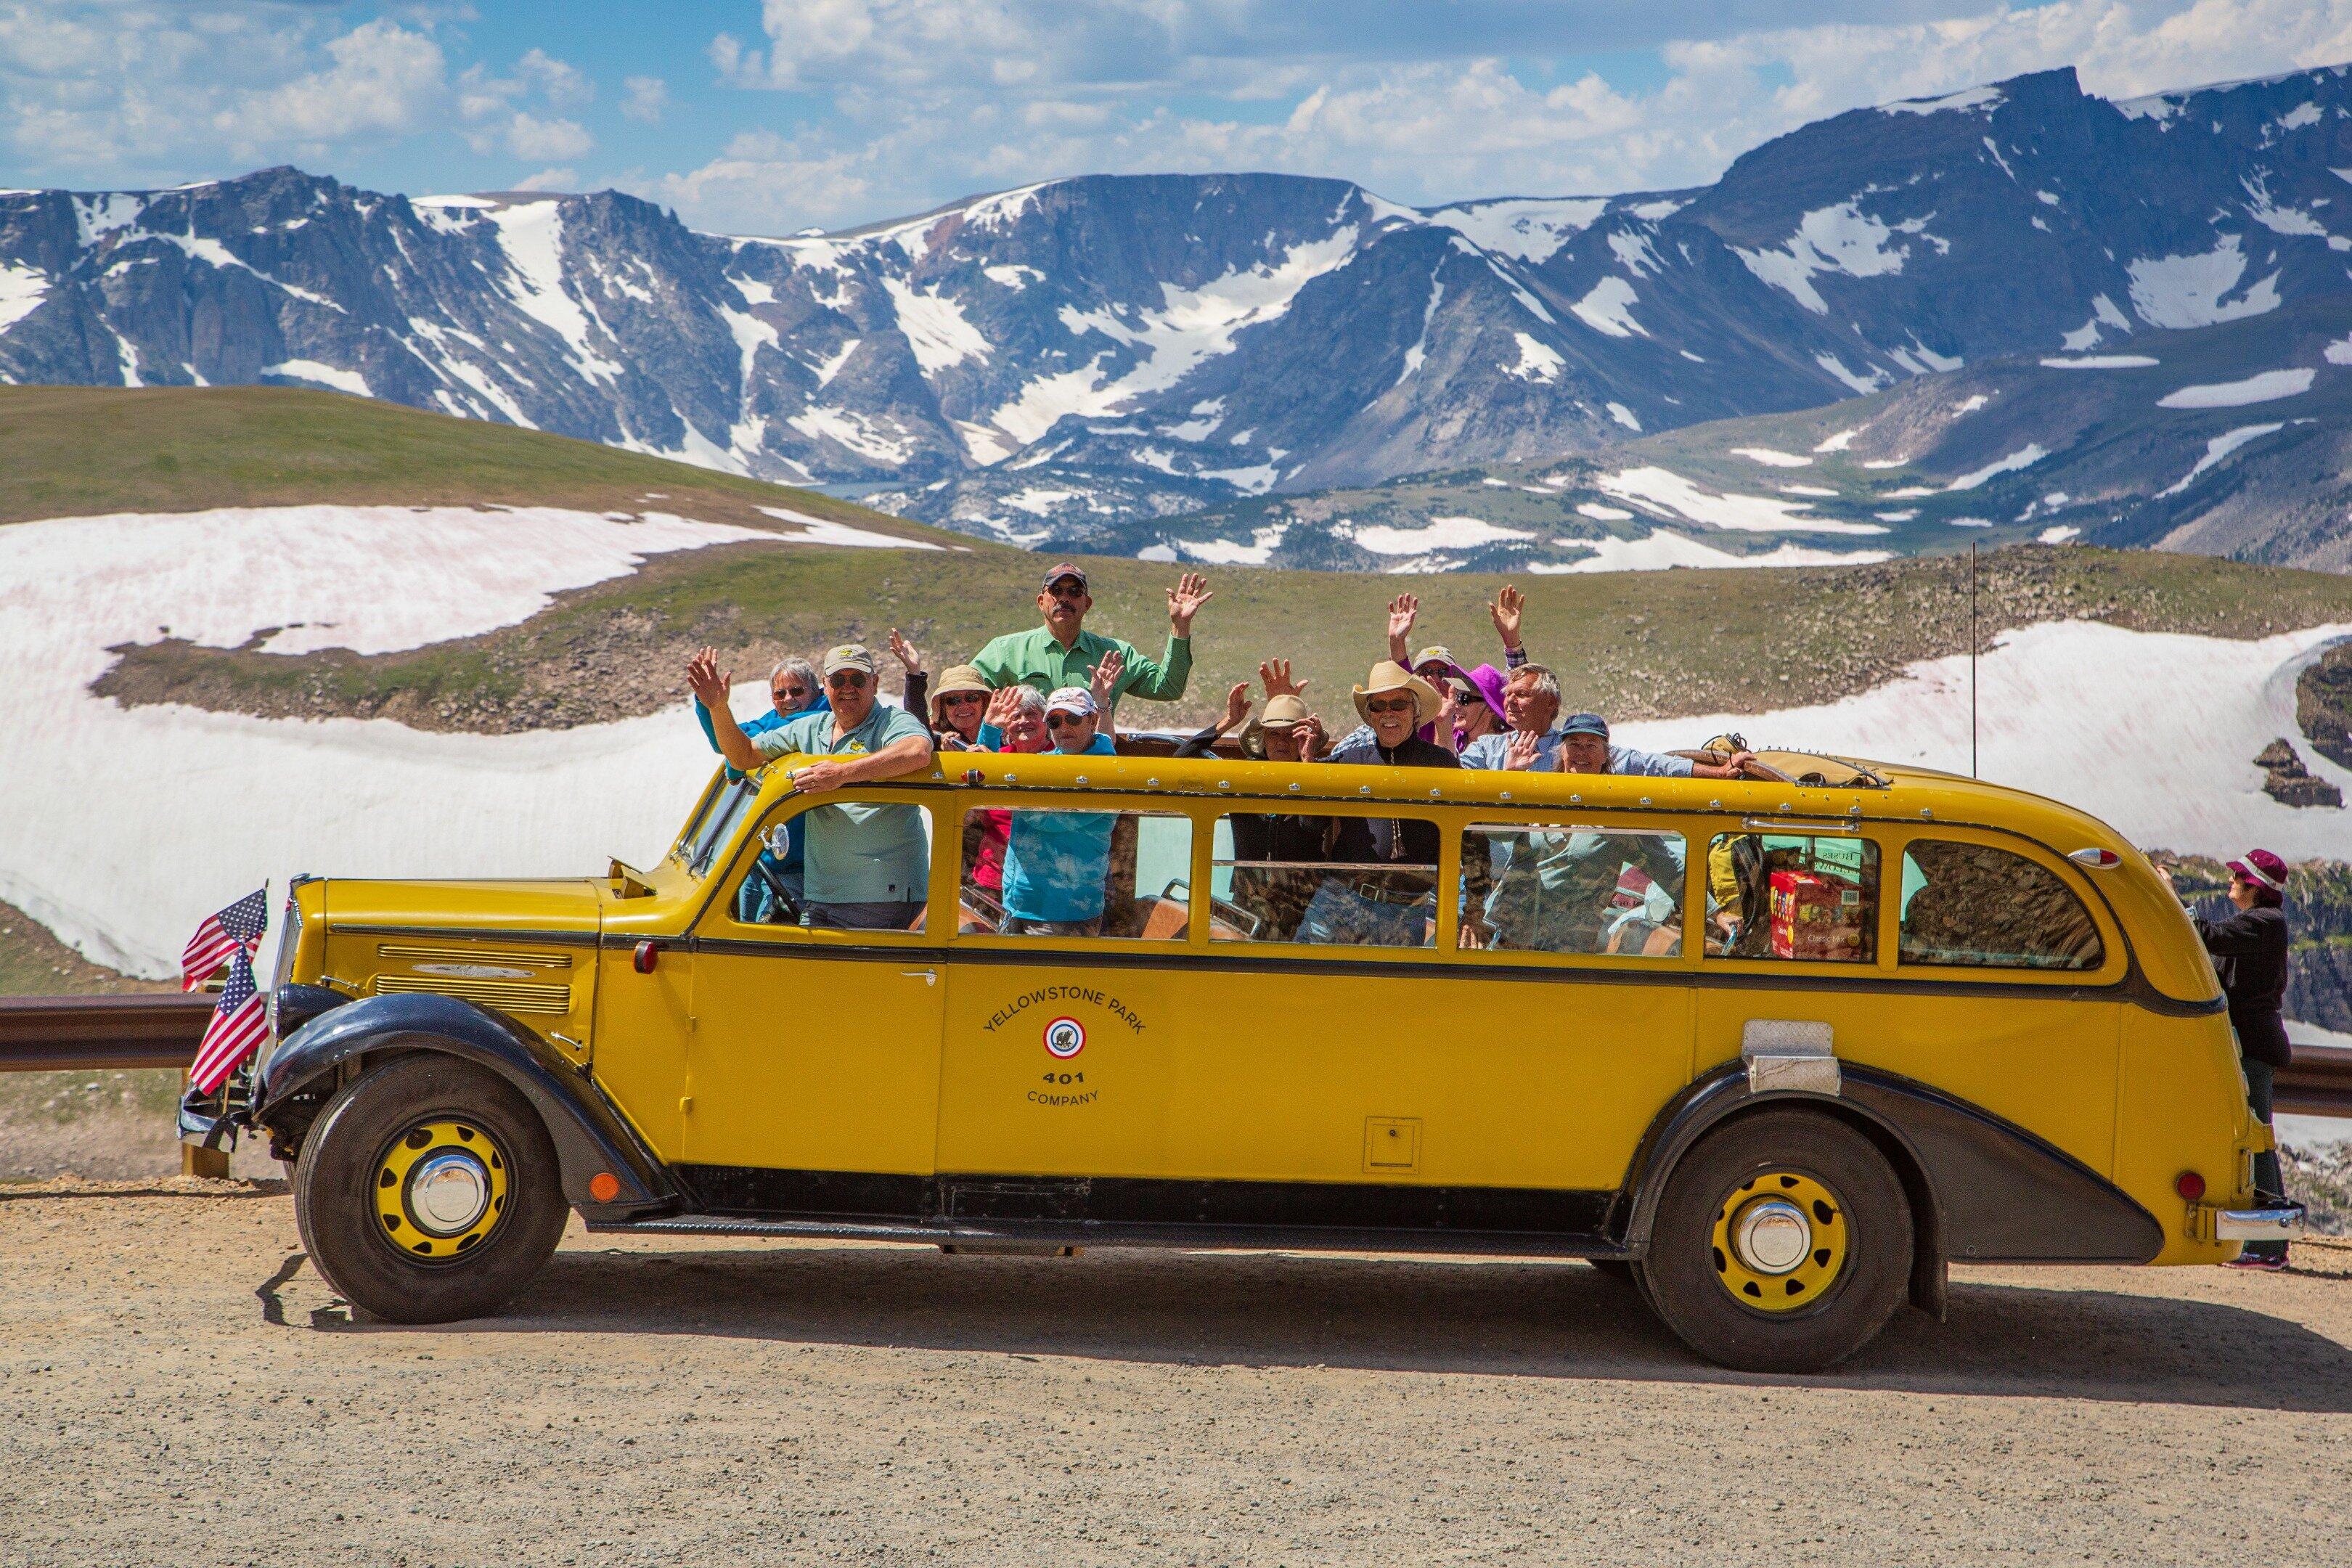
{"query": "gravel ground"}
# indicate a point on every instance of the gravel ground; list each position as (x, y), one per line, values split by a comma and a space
(180, 1387)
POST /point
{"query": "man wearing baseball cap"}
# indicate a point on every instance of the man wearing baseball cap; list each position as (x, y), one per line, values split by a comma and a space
(1063, 653)
(1057, 862)
(867, 865)
(2249, 954)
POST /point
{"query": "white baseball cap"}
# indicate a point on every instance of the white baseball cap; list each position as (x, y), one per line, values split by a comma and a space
(1074, 700)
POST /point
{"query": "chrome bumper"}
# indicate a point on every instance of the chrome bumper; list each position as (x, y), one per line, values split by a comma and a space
(2269, 1224)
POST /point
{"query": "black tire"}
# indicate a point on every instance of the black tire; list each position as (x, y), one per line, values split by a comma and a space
(351, 1159)
(1862, 1229)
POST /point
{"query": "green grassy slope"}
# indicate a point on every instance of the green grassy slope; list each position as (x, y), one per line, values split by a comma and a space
(77, 452)
(1635, 645)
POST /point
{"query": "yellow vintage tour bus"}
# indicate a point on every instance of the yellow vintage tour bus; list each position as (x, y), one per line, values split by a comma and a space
(1776, 1054)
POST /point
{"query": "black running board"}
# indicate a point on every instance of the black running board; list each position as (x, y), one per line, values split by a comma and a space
(1110, 1232)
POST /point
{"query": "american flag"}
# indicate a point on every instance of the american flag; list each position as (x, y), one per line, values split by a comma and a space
(240, 1022)
(235, 930)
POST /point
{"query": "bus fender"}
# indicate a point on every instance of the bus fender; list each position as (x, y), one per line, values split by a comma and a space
(1982, 1189)
(590, 1137)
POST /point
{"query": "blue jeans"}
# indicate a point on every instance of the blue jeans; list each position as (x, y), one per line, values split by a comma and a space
(1339, 915)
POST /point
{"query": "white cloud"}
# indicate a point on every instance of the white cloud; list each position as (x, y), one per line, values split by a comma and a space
(565, 86)
(934, 99)
(528, 136)
(764, 184)
(644, 98)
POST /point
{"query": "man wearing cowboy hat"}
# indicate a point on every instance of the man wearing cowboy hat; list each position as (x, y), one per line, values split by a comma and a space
(1366, 902)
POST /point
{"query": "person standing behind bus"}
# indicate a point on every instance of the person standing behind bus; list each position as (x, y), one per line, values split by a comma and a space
(1063, 653)
(2249, 954)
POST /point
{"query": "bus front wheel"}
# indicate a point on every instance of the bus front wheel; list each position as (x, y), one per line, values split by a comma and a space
(429, 1192)
(1782, 1244)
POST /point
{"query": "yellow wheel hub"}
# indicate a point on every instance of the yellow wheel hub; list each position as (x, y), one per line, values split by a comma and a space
(440, 1188)
(1780, 1241)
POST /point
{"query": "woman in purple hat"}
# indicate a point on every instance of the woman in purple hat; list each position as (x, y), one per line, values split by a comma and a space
(2249, 950)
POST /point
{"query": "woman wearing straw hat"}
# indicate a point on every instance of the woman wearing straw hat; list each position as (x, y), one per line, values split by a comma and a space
(1368, 902)
(959, 703)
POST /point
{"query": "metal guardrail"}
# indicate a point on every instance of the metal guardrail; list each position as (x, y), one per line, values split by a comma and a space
(41, 1034)
(44, 1034)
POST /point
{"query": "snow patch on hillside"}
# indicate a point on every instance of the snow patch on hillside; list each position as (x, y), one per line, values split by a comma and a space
(2194, 290)
(2025, 457)
(1664, 550)
(1438, 534)
(318, 374)
(1773, 458)
(2267, 388)
(2060, 701)
(936, 327)
(22, 290)
(1529, 230)
(1607, 309)
(1840, 238)
(236, 797)
(1983, 99)
(2219, 448)
(1665, 490)
(1538, 361)
(2102, 361)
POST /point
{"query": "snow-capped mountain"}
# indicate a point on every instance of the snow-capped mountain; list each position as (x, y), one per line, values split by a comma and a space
(1084, 351)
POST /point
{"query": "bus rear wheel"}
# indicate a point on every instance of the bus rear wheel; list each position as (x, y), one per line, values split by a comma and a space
(429, 1192)
(1782, 1244)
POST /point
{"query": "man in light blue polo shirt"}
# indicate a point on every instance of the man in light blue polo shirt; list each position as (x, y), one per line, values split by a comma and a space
(867, 866)
(1057, 862)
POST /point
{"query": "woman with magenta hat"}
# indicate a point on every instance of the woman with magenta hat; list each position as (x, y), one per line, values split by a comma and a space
(2250, 949)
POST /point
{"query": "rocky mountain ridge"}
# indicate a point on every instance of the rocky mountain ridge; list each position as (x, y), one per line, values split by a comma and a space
(1092, 349)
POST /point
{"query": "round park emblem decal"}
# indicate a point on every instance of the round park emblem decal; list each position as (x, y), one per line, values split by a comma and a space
(1065, 1037)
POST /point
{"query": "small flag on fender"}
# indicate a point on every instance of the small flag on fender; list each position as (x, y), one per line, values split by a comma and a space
(239, 1021)
(237, 929)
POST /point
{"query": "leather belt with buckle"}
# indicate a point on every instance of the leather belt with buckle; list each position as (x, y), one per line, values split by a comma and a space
(1379, 894)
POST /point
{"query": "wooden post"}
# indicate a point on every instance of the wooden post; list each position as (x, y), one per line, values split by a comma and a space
(195, 1160)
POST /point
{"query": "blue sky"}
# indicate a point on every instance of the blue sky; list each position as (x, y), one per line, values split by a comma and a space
(767, 116)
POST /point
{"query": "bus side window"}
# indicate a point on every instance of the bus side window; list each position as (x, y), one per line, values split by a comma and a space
(1047, 871)
(844, 864)
(1971, 904)
(1561, 888)
(1811, 898)
(1285, 878)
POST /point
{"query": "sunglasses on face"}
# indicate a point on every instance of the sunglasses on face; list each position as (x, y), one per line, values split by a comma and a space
(1401, 705)
(1064, 722)
(845, 679)
(958, 698)
(1067, 591)
(790, 693)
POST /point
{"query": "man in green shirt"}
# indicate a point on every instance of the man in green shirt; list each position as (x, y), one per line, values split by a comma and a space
(868, 865)
(1061, 653)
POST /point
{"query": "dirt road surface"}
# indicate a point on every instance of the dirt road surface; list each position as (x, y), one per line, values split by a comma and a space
(179, 1387)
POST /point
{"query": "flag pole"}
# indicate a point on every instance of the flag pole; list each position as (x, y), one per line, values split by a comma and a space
(1972, 658)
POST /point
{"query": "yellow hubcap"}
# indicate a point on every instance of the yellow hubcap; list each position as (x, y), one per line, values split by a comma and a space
(1780, 1241)
(440, 1188)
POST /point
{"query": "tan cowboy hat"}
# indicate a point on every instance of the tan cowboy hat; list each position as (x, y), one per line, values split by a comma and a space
(956, 677)
(1390, 676)
(1286, 711)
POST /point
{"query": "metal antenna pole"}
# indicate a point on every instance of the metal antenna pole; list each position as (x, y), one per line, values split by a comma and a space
(1973, 659)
